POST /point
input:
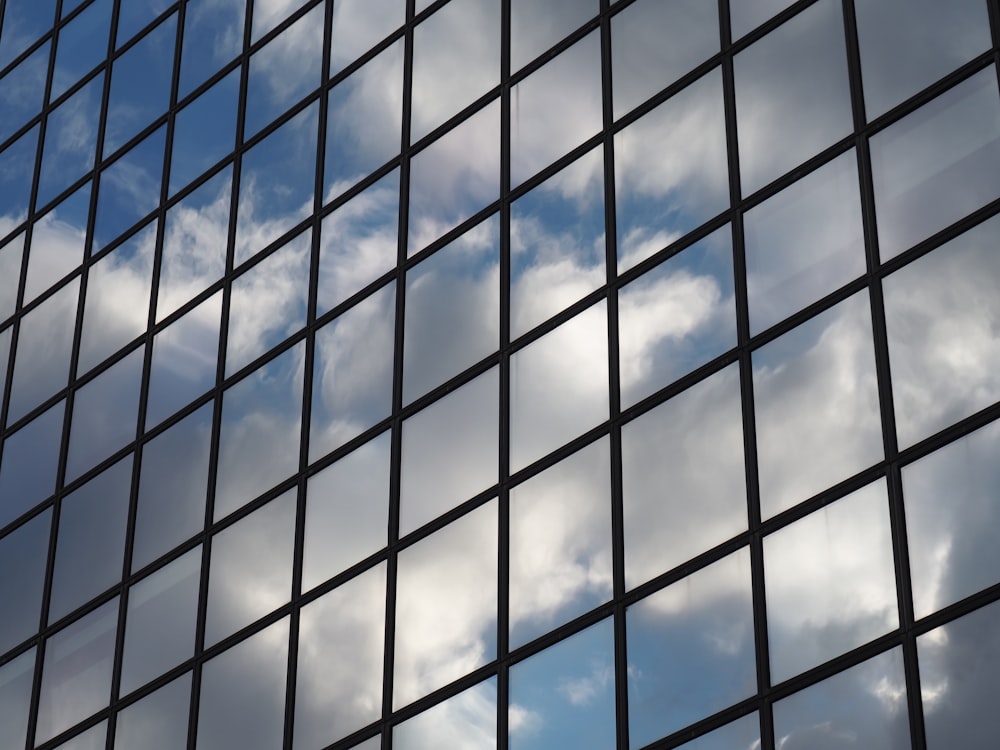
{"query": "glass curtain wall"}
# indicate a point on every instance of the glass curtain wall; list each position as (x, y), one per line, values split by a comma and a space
(404, 374)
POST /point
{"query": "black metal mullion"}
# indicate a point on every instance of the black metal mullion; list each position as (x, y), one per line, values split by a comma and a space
(396, 436)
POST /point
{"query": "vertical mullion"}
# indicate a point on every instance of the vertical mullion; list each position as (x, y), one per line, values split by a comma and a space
(206, 553)
(614, 390)
(396, 437)
(144, 384)
(503, 455)
(746, 384)
(307, 384)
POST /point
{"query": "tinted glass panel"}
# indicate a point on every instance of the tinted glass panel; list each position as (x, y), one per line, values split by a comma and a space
(15, 697)
(469, 719)
(28, 469)
(26, 550)
(937, 164)
(159, 721)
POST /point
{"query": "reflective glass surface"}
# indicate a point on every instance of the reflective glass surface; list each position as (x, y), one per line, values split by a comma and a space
(830, 582)
(498, 373)
(941, 319)
(937, 164)
(959, 664)
(76, 674)
(690, 649)
(243, 693)
(447, 596)
(951, 503)
(160, 621)
(670, 170)
(341, 643)
(559, 386)
(673, 507)
(563, 697)
(792, 94)
(816, 400)
(560, 543)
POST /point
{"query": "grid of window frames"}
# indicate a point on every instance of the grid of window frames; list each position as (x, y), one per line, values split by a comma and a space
(480, 373)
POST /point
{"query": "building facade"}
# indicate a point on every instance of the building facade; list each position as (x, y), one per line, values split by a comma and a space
(499, 373)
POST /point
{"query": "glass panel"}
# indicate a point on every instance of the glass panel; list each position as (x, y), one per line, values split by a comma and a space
(213, 35)
(117, 304)
(251, 570)
(341, 644)
(534, 26)
(57, 243)
(864, 706)
(94, 738)
(15, 698)
(446, 187)
(22, 90)
(792, 94)
(105, 413)
(76, 678)
(675, 509)
(937, 164)
(742, 734)
(5, 337)
(557, 249)
(747, 16)
(243, 693)
(449, 451)
(941, 312)
(160, 622)
(676, 317)
(830, 582)
(559, 386)
(44, 345)
(129, 188)
(462, 37)
(195, 236)
(26, 550)
(952, 503)
(82, 45)
(133, 16)
(352, 372)
(157, 722)
(11, 256)
(276, 184)
(364, 119)
(204, 131)
(140, 84)
(659, 199)
(467, 720)
(70, 141)
(261, 426)
(23, 22)
(959, 670)
(358, 242)
(556, 108)
(446, 596)
(268, 303)
(358, 25)
(654, 43)
(702, 625)
(183, 365)
(804, 242)
(28, 470)
(457, 290)
(560, 543)
(284, 70)
(906, 45)
(16, 179)
(347, 512)
(816, 404)
(172, 486)
(91, 543)
(267, 15)
(565, 695)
